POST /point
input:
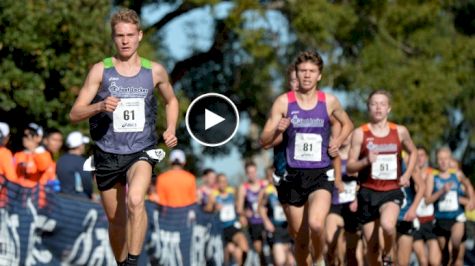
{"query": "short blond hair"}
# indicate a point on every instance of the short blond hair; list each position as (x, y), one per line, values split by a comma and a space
(379, 92)
(127, 16)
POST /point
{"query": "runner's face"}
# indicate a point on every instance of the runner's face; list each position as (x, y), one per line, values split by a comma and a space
(421, 158)
(308, 75)
(211, 179)
(222, 183)
(126, 38)
(293, 81)
(443, 160)
(251, 173)
(379, 107)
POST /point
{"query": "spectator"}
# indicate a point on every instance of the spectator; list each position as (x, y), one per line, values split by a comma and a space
(53, 142)
(34, 163)
(176, 187)
(69, 169)
(7, 168)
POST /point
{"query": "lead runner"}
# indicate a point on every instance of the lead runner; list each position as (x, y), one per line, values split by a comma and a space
(117, 98)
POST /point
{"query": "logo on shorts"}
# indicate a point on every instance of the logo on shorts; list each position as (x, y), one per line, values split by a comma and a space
(398, 202)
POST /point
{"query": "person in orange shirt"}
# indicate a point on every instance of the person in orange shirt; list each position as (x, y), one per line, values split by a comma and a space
(7, 168)
(34, 163)
(176, 187)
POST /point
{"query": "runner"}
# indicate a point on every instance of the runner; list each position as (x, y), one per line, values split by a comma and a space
(375, 154)
(247, 203)
(118, 99)
(208, 185)
(341, 222)
(280, 143)
(424, 235)
(407, 221)
(304, 116)
(275, 223)
(445, 190)
(223, 200)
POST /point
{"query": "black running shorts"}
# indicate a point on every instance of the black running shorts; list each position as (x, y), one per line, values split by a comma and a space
(112, 168)
(298, 184)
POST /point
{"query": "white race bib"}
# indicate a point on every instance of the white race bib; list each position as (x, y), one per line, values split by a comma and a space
(449, 202)
(227, 213)
(308, 147)
(424, 210)
(349, 194)
(385, 167)
(279, 214)
(129, 116)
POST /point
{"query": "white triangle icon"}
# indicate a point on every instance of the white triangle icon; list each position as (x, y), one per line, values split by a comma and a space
(212, 119)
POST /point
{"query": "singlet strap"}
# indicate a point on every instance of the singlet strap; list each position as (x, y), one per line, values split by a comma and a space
(145, 63)
(321, 96)
(392, 126)
(365, 127)
(291, 96)
(108, 62)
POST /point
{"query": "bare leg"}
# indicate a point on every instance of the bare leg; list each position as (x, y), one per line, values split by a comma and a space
(319, 206)
(139, 177)
(113, 201)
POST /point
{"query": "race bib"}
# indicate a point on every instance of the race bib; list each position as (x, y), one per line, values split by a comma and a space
(308, 147)
(385, 167)
(279, 214)
(349, 194)
(129, 116)
(227, 213)
(424, 210)
(449, 203)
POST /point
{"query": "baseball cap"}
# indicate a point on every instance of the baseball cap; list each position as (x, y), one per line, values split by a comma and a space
(4, 129)
(177, 156)
(76, 139)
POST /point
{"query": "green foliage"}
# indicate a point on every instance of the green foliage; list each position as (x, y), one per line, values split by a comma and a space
(46, 49)
(410, 48)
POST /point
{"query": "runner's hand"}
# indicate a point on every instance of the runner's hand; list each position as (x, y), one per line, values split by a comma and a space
(339, 185)
(333, 148)
(410, 215)
(269, 227)
(447, 187)
(284, 123)
(169, 138)
(354, 206)
(372, 156)
(109, 104)
(404, 181)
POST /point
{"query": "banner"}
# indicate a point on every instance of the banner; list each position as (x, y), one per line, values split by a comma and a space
(41, 227)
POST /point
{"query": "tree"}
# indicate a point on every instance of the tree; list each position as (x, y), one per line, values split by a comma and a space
(419, 51)
(46, 49)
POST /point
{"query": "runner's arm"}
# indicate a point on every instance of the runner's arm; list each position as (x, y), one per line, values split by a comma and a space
(171, 103)
(469, 190)
(82, 108)
(420, 192)
(354, 164)
(335, 110)
(410, 148)
(262, 210)
(271, 131)
(431, 197)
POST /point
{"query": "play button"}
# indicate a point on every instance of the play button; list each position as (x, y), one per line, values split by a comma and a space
(212, 119)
